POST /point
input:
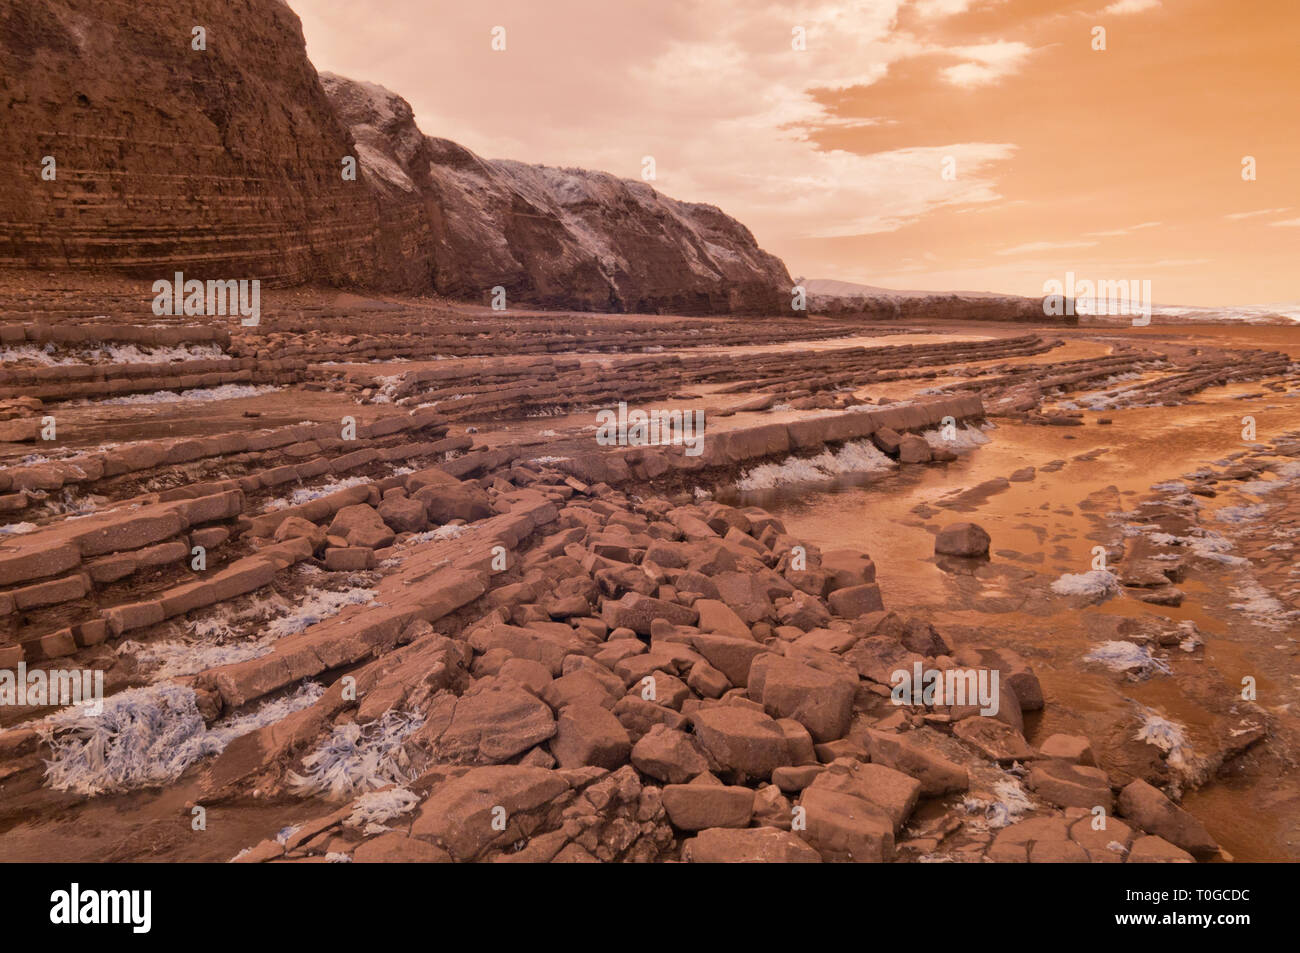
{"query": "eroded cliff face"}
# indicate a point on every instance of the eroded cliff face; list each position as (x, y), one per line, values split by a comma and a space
(562, 238)
(222, 162)
(226, 162)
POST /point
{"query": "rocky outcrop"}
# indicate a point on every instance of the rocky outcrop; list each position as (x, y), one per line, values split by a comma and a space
(562, 238)
(955, 307)
(223, 163)
(230, 161)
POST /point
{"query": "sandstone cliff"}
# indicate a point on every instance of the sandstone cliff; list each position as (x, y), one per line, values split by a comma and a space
(222, 162)
(563, 238)
(226, 163)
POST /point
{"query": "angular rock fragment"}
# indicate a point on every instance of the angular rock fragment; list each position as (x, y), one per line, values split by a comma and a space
(589, 734)
(696, 807)
(962, 539)
(1149, 809)
(755, 845)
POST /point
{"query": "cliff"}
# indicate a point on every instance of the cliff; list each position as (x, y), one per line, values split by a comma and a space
(226, 162)
(559, 238)
(223, 162)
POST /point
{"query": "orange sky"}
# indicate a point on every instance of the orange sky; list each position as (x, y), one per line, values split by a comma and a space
(1117, 164)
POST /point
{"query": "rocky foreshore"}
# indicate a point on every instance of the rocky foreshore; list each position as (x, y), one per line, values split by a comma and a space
(390, 612)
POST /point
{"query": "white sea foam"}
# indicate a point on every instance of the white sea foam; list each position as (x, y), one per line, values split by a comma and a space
(963, 441)
(447, 531)
(146, 737)
(858, 456)
(1010, 804)
(1171, 738)
(1096, 584)
(317, 605)
(1128, 657)
(374, 809)
(196, 395)
(308, 493)
(1241, 514)
(356, 758)
(1262, 606)
(217, 642)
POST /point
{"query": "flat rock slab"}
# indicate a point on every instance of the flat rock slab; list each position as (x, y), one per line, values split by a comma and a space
(695, 807)
(459, 814)
(743, 742)
(755, 845)
(494, 725)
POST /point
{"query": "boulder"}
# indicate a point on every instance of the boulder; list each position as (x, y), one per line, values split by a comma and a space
(459, 814)
(1071, 785)
(820, 701)
(588, 734)
(803, 612)
(892, 791)
(717, 618)
(913, 449)
(887, 440)
(403, 514)
(847, 567)
(754, 845)
(361, 525)
(668, 755)
(578, 686)
(1149, 809)
(460, 501)
(637, 612)
(744, 743)
(536, 643)
(1011, 846)
(938, 775)
(855, 601)
(493, 725)
(730, 656)
(349, 558)
(696, 807)
(879, 656)
(296, 527)
(962, 539)
(843, 827)
(1157, 850)
(1074, 748)
(707, 681)
(995, 739)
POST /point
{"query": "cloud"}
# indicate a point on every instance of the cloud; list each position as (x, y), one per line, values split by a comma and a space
(1123, 231)
(942, 8)
(1257, 212)
(987, 63)
(887, 190)
(1030, 248)
(1131, 6)
(732, 114)
(1288, 223)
